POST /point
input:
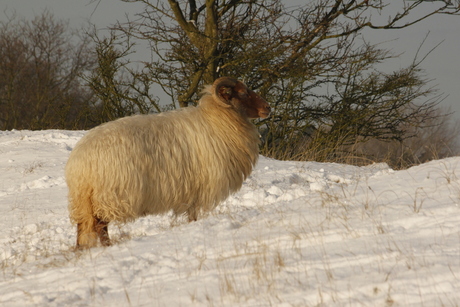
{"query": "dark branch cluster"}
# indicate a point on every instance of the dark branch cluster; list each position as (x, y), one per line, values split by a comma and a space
(310, 61)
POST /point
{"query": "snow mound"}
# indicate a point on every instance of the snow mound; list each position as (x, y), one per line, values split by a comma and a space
(296, 234)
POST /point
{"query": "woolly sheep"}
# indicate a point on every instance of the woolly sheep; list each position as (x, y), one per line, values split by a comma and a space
(187, 161)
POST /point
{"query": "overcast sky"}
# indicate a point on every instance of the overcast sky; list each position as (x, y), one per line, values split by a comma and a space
(443, 65)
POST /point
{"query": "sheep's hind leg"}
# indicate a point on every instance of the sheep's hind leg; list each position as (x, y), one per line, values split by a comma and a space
(86, 234)
(102, 231)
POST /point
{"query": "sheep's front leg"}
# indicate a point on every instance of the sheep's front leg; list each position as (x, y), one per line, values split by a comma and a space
(192, 214)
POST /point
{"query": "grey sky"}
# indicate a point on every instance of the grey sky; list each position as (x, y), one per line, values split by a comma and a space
(443, 65)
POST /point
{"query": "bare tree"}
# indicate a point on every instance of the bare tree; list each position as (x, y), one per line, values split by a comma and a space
(309, 61)
(40, 63)
(119, 89)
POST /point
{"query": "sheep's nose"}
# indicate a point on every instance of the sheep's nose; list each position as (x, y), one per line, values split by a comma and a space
(264, 112)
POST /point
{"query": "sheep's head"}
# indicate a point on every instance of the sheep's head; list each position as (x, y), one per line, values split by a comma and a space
(234, 93)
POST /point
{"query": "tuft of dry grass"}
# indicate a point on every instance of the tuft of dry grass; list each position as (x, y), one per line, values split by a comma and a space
(436, 140)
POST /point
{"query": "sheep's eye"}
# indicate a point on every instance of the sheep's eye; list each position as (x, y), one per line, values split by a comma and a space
(243, 94)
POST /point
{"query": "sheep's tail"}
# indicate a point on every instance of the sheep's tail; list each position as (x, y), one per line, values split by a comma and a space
(89, 227)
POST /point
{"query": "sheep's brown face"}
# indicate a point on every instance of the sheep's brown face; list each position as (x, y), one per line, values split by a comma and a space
(254, 105)
(258, 107)
(235, 93)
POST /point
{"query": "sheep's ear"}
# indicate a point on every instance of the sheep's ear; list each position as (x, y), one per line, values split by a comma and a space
(225, 93)
(224, 89)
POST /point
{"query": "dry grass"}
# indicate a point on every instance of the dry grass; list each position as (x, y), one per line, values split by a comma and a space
(439, 139)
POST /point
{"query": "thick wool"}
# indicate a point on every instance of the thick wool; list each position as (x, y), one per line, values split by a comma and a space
(187, 161)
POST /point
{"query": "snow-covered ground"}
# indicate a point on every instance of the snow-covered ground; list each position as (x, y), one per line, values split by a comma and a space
(297, 234)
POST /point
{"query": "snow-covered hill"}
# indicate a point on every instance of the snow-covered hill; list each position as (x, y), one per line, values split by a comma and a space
(297, 234)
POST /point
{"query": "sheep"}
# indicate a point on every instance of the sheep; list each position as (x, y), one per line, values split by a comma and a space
(186, 160)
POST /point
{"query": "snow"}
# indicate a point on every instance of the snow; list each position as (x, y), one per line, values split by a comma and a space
(296, 234)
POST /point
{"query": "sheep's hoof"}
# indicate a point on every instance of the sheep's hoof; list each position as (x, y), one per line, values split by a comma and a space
(192, 215)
